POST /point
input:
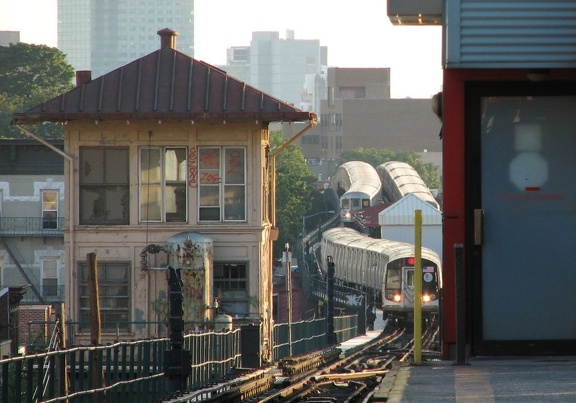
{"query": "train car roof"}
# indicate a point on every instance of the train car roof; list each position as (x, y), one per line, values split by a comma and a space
(406, 180)
(369, 186)
(355, 171)
(393, 249)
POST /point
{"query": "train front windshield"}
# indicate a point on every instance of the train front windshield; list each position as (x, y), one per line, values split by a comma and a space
(401, 268)
(354, 203)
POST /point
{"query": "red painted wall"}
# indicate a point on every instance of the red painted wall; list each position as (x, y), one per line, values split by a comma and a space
(455, 177)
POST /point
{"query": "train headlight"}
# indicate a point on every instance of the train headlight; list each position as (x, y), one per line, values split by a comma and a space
(397, 298)
(428, 297)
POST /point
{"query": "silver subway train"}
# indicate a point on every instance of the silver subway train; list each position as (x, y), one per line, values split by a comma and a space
(385, 268)
(399, 179)
(358, 186)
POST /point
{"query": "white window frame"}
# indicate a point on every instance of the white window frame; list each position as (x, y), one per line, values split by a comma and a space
(162, 183)
(54, 277)
(229, 196)
(46, 210)
(231, 287)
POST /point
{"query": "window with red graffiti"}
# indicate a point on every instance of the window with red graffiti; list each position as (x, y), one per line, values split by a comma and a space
(222, 183)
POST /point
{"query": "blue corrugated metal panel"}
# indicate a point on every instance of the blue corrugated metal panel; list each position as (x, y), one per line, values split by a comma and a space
(514, 34)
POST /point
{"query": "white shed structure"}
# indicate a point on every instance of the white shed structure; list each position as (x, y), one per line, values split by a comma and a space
(397, 222)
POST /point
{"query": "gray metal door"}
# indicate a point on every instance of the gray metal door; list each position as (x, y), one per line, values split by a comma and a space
(525, 227)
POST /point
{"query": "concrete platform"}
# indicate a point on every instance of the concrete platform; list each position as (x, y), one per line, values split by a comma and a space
(481, 379)
(485, 379)
(379, 325)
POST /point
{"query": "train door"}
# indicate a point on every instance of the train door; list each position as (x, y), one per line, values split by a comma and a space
(408, 286)
(521, 149)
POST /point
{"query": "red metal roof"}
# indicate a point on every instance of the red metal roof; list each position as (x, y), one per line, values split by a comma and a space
(368, 216)
(164, 85)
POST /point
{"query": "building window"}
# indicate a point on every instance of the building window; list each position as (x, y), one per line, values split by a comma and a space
(114, 291)
(310, 139)
(331, 96)
(352, 92)
(231, 288)
(104, 185)
(222, 180)
(163, 196)
(338, 143)
(49, 278)
(49, 209)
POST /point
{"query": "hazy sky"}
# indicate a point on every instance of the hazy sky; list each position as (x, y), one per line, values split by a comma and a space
(359, 36)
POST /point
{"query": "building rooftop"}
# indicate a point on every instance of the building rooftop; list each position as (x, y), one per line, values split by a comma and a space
(165, 85)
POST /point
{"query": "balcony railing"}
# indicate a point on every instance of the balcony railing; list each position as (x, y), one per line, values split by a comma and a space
(31, 226)
(50, 294)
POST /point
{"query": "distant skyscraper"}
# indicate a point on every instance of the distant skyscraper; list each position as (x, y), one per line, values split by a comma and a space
(290, 69)
(9, 37)
(102, 35)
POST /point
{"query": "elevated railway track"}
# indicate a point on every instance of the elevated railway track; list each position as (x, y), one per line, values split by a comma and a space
(359, 374)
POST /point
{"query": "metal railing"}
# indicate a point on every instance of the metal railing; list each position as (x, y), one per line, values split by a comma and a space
(310, 335)
(131, 371)
(38, 226)
(49, 293)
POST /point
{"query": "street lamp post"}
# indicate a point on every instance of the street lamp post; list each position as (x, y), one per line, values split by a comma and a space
(287, 260)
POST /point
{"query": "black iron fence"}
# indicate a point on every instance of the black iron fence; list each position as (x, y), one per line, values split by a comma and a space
(134, 371)
(310, 335)
(131, 371)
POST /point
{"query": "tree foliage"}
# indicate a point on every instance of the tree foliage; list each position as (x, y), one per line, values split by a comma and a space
(30, 75)
(294, 192)
(373, 156)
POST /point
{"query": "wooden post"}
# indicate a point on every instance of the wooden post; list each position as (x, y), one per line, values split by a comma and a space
(63, 359)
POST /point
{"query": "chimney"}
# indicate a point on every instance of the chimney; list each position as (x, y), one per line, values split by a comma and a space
(167, 38)
(83, 77)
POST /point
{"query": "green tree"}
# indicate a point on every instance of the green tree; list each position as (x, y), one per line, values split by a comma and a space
(30, 75)
(373, 156)
(294, 192)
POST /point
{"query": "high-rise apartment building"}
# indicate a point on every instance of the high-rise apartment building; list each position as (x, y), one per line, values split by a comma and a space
(102, 35)
(357, 111)
(290, 69)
